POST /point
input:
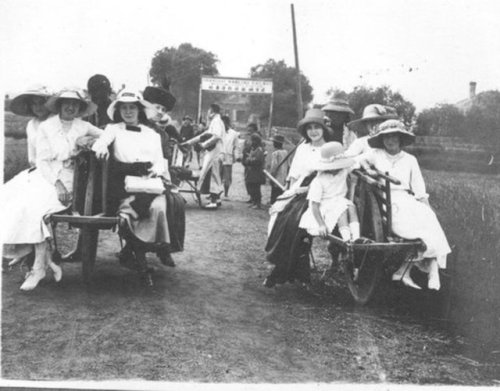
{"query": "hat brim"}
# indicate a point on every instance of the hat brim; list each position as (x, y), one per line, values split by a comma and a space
(310, 120)
(380, 118)
(111, 108)
(335, 165)
(20, 105)
(341, 109)
(405, 138)
(88, 109)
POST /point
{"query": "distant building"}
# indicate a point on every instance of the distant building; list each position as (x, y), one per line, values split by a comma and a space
(465, 104)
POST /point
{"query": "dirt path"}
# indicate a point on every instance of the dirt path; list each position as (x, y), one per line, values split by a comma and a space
(210, 319)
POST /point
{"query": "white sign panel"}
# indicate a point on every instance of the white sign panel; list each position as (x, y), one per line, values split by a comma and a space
(246, 86)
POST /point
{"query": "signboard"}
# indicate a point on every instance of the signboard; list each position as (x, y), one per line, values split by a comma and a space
(238, 85)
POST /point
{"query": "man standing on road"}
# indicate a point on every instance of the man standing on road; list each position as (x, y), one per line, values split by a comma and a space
(247, 146)
(230, 144)
(211, 141)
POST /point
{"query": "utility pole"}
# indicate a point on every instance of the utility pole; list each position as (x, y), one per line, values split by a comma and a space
(198, 115)
(300, 106)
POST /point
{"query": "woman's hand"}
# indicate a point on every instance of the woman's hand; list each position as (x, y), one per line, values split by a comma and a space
(63, 194)
(323, 231)
(85, 142)
(101, 153)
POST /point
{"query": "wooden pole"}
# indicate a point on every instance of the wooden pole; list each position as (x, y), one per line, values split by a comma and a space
(300, 106)
(199, 96)
(270, 115)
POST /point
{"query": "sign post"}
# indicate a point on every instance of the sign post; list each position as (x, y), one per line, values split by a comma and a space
(237, 85)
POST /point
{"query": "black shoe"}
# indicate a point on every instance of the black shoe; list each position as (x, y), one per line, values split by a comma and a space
(127, 259)
(166, 258)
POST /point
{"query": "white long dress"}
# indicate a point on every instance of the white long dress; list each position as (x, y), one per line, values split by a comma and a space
(213, 159)
(131, 147)
(29, 197)
(411, 219)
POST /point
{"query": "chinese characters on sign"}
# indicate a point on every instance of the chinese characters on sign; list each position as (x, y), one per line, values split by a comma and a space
(246, 86)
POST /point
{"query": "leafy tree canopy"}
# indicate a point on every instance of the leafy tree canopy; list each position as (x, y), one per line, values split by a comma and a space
(361, 96)
(182, 67)
(285, 92)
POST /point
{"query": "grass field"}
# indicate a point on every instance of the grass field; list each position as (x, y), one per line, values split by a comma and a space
(468, 206)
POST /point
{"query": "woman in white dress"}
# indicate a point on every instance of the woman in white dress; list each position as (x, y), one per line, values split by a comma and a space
(288, 246)
(48, 189)
(412, 216)
(137, 152)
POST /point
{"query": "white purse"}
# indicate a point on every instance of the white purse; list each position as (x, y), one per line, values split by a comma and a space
(138, 184)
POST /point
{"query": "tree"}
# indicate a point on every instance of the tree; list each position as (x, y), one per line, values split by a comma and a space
(361, 96)
(441, 120)
(182, 67)
(285, 92)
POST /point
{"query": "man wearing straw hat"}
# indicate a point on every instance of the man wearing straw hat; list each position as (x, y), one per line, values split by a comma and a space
(339, 113)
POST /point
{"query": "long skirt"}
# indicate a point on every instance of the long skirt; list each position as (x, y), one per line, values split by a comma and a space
(25, 201)
(211, 168)
(152, 229)
(412, 219)
(288, 246)
(176, 217)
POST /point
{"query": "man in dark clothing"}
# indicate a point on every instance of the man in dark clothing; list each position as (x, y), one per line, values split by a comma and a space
(247, 146)
(187, 132)
(339, 114)
(99, 89)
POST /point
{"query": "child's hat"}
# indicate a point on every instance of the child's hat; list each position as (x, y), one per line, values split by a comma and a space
(332, 157)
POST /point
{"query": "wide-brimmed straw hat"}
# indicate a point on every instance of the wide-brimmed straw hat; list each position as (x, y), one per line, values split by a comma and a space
(313, 116)
(332, 157)
(391, 126)
(375, 112)
(86, 106)
(127, 96)
(21, 104)
(337, 104)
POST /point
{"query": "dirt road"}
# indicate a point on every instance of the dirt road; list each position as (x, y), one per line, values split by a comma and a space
(209, 319)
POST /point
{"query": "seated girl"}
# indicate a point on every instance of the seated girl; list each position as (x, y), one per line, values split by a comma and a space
(412, 217)
(328, 205)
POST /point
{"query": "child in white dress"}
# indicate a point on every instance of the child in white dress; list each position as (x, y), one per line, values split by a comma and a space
(328, 205)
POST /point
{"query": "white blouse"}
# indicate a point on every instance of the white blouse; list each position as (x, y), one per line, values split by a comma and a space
(402, 166)
(130, 146)
(304, 162)
(56, 145)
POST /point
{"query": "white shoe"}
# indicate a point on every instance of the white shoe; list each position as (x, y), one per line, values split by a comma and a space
(407, 281)
(34, 277)
(57, 271)
(434, 282)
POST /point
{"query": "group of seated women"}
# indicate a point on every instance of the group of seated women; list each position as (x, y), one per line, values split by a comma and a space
(317, 199)
(55, 134)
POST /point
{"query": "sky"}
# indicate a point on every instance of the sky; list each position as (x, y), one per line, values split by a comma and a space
(428, 50)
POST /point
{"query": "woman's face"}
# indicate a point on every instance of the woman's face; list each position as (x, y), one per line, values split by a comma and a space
(129, 113)
(38, 108)
(391, 143)
(314, 132)
(70, 108)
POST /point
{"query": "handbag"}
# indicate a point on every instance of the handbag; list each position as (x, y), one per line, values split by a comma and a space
(140, 184)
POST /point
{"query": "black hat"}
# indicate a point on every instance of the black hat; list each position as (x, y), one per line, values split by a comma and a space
(160, 95)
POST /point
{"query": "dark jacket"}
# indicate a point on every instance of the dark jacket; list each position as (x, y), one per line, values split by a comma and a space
(254, 162)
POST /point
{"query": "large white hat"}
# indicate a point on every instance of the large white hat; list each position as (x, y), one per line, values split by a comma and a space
(127, 96)
(86, 106)
(333, 158)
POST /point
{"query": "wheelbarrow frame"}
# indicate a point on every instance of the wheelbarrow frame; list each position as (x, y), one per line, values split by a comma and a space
(363, 263)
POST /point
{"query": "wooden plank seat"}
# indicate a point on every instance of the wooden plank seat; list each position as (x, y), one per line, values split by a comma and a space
(88, 211)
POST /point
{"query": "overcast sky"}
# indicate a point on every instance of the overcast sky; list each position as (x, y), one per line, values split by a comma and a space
(429, 50)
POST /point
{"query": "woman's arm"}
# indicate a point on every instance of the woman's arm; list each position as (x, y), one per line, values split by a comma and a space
(417, 184)
(100, 147)
(323, 229)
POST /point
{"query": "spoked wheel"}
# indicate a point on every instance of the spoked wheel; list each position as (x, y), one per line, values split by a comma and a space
(362, 268)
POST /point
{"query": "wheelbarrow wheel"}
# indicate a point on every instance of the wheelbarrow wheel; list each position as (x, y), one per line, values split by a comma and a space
(362, 269)
(88, 250)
